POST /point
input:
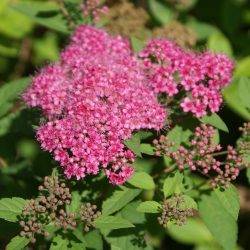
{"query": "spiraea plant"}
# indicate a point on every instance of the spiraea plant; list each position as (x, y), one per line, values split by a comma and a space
(132, 130)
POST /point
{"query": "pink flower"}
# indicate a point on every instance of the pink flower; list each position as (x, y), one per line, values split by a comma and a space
(200, 76)
(94, 98)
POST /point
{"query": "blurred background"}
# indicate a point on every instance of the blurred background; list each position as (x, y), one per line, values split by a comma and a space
(33, 32)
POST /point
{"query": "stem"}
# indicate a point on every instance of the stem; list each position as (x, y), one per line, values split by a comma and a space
(3, 162)
(220, 153)
(169, 170)
(66, 14)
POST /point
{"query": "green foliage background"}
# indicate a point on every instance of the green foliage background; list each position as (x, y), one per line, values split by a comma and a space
(29, 40)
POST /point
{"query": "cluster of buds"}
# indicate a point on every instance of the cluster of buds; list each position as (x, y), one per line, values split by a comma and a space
(175, 211)
(88, 214)
(163, 146)
(50, 206)
(178, 33)
(65, 219)
(40, 211)
(55, 194)
(244, 141)
(33, 217)
(127, 20)
(94, 9)
(200, 156)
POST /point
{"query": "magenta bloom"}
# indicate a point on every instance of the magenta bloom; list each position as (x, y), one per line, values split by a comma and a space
(199, 76)
(93, 99)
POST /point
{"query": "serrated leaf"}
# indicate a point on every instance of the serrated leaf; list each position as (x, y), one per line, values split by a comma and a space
(160, 11)
(129, 212)
(193, 232)
(43, 13)
(11, 91)
(215, 121)
(75, 202)
(229, 199)
(189, 202)
(178, 135)
(118, 200)
(142, 180)
(10, 208)
(59, 243)
(17, 243)
(112, 222)
(218, 42)
(94, 240)
(220, 222)
(149, 207)
(147, 149)
(134, 144)
(173, 184)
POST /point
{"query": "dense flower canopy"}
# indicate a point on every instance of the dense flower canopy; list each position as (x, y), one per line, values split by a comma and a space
(94, 98)
(100, 92)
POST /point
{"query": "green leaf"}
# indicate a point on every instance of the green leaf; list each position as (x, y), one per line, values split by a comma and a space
(137, 44)
(173, 184)
(46, 48)
(59, 243)
(149, 207)
(211, 246)
(134, 144)
(43, 13)
(11, 91)
(13, 24)
(234, 100)
(17, 243)
(193, 232)
(214, 211)
(147, 149)
(178, 135)
(160, 11)
(75, 202)
(189, 202)
(112, 222)
(129, 212)
(244, 91)
(217, 42)
(93, 240)
(215, 121)
(142, 180)
(118, 200)
(6, 122)
(229, 199)
(10, 208)
(216, 137)
(203, 30)
(242, 67)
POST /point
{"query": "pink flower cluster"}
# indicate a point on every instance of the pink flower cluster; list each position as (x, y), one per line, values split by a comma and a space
(201, 156)
(94, 9)
(93, 99)
(198, 77)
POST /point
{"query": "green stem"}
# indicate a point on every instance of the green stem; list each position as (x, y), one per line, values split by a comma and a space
(220, 153)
